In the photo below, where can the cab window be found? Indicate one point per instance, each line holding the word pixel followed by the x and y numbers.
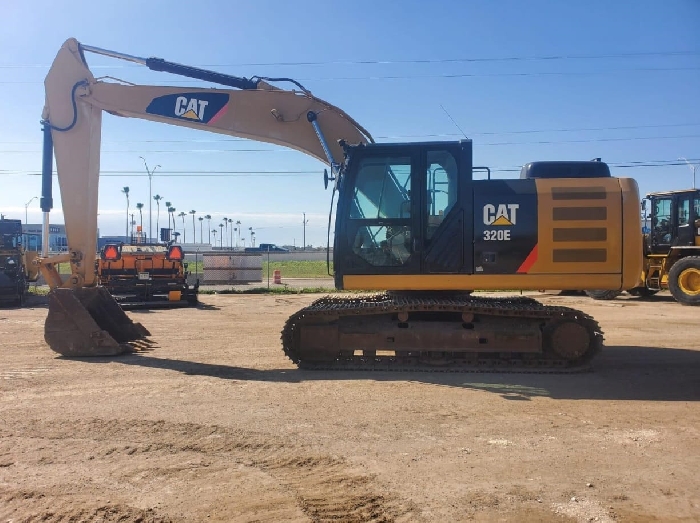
pixel 441 188
pixel 381 203
pixel 661 221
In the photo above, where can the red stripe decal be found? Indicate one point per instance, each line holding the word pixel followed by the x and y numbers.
pixel 529 261
pixel 218 115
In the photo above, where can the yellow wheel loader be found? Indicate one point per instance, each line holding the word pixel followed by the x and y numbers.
pixel 412 223
pixel 671 248
pixel 17 269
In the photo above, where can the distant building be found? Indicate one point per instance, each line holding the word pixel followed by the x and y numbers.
pixel 32 237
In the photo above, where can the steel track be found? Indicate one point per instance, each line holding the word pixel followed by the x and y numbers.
pixel 517 308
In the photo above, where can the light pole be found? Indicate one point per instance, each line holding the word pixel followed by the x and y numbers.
pixel 26 206
pixel 194 227
pixel 150 196
pixel 305 221
pixel 693 167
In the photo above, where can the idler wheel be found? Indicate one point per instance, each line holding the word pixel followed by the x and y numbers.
pixel 567 339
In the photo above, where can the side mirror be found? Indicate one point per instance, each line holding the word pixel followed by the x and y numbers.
pixel 326 178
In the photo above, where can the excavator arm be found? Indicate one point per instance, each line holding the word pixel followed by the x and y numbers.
pixel 72 118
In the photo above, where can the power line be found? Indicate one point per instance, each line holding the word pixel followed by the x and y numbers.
pixel 404 61
pixel 400 136
pixel 281 149
pixel 394 136
pixel 444 75
pixel 255 174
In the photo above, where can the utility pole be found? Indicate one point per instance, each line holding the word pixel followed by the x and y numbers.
pixel 305 221
pixel 693 167
pixel 150 197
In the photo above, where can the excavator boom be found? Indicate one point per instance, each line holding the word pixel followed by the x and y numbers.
pixel 72 117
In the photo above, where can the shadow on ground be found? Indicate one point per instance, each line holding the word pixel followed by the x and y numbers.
pixel 620 373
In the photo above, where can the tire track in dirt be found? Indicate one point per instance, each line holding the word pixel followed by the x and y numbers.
pixel 23 373
pixel 47 508
pixel 324 488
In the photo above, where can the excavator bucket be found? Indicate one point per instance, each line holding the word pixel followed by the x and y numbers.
pixel 89 322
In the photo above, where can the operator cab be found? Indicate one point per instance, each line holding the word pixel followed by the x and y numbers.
pixel 674 220
pixel 419 209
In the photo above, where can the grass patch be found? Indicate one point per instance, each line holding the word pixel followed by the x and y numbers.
pixel 298 269
pixel 38 290
pixel 289 269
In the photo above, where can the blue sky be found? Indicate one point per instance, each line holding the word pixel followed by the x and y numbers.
pixel 621 82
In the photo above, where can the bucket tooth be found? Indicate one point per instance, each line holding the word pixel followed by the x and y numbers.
pixel 89 322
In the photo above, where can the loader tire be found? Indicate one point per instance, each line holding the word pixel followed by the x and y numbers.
pixel 684 280
pixel 642 292
pixel 603 295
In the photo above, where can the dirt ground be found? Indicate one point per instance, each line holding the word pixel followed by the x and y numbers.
pixel 214 424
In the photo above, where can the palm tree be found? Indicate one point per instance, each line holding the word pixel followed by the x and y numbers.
pixel 221 238
pixel 208 217
pixel 226 225
pixel 157 198
pixel 201 234
pixel 184 229
pixel 238 226
pixel 214 231
pixel 231 222
pixel 168 205
pixel 171 212
pixel 125 190
pixel 139 206
pixel 194 230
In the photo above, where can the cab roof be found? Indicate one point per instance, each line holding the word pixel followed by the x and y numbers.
pixel 673 193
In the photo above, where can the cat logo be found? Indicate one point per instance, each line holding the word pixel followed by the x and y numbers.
pixel 505 214
pixel 197 107
pixel 192 108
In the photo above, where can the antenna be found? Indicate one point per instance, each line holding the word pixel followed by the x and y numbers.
pixel 453 121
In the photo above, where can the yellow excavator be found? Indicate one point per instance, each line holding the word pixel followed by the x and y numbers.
pixel 412 221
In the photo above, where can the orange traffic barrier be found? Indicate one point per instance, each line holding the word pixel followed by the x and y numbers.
pixel 277 276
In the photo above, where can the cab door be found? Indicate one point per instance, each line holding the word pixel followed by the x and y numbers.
pixel 685 219
pixel 445 239
pixel 379 214
pixel 662 226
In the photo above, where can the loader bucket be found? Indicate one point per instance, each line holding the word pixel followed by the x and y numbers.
pixel 89 322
